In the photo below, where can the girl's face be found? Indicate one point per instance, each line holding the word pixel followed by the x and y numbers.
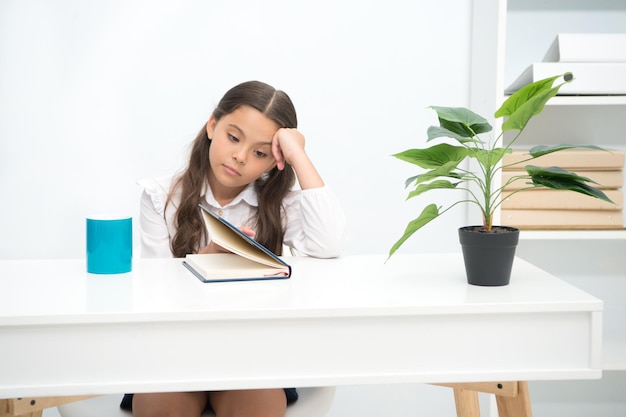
pixel 241 150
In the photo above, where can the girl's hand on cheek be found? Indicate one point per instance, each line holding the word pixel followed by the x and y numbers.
pixel 287 144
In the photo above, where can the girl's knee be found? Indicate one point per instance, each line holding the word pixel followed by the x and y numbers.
pixel 175 404
pixel 249 403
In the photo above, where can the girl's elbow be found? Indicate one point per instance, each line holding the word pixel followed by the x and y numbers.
pixel 330 249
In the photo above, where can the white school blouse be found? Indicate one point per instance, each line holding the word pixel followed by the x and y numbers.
pixel 313 219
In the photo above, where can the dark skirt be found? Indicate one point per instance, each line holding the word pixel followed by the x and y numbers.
pixel 127 401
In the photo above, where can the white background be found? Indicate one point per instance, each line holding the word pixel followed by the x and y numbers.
pixel 96 95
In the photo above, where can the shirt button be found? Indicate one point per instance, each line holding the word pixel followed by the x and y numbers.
pixel 220 213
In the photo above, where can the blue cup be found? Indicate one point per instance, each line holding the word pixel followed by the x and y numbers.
pixel 109 245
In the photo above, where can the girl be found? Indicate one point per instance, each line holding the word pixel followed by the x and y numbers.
pixel 243 165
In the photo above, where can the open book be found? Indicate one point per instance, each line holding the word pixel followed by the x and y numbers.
pixel 249 259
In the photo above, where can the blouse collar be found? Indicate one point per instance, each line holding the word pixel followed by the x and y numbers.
pixel 248 195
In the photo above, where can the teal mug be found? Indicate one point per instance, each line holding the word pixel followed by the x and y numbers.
pixel 109 245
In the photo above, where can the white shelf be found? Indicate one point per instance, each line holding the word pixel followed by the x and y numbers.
pixel 587 100
pixel 589 259
pixel 618 234
pixel 616 100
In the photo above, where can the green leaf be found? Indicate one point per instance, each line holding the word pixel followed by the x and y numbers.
pixel 528 102
pixel 435 185
pixel 488 158
pixel 411 180
pixel 429 213
pixel 521 96
pixel 555 172
pixel 559 179
pixel 435 132
pixel 464 117
pixel 540 150
pixel 446 170
pixel 433 157
pixel 458 123
pixel 531 108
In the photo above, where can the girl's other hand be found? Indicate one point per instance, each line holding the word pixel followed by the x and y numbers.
pixel 287 145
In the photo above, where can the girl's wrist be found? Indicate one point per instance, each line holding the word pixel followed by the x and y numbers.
pixel 307 174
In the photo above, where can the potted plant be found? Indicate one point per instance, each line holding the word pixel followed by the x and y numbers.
pixel 444 167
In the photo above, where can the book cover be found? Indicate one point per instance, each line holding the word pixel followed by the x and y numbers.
pixel 587 47
pixel 570 159
pixel 590 78
pixel 610 179
pixel 563 219
pixel 248 260
pixel 548 199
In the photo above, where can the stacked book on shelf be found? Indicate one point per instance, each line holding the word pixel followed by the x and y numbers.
pixel 543 208
pixel 597 61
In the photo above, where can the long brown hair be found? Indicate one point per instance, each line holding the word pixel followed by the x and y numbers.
pixel 271 188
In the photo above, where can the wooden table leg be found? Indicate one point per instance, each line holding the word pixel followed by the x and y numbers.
pixel 517 406
pixel 34 406
pixel 7 410
pixel 512 398
pixel 466 402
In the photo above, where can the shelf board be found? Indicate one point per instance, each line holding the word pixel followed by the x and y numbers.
pixel 587 100
pixel 618 234
pixel 616 100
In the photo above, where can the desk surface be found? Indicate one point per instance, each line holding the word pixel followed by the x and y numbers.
pixel 351 320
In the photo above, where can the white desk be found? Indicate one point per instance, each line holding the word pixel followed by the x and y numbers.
pixel 353 320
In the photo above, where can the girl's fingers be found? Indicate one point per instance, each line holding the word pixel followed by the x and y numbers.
pixel 247 230
pixel 277 153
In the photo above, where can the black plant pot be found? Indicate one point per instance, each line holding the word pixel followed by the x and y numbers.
pixel 488 256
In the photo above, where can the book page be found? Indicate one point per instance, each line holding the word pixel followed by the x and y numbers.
pixel 219 266
pixel 232 239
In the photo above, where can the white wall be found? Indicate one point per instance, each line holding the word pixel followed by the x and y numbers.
pixel 95 95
